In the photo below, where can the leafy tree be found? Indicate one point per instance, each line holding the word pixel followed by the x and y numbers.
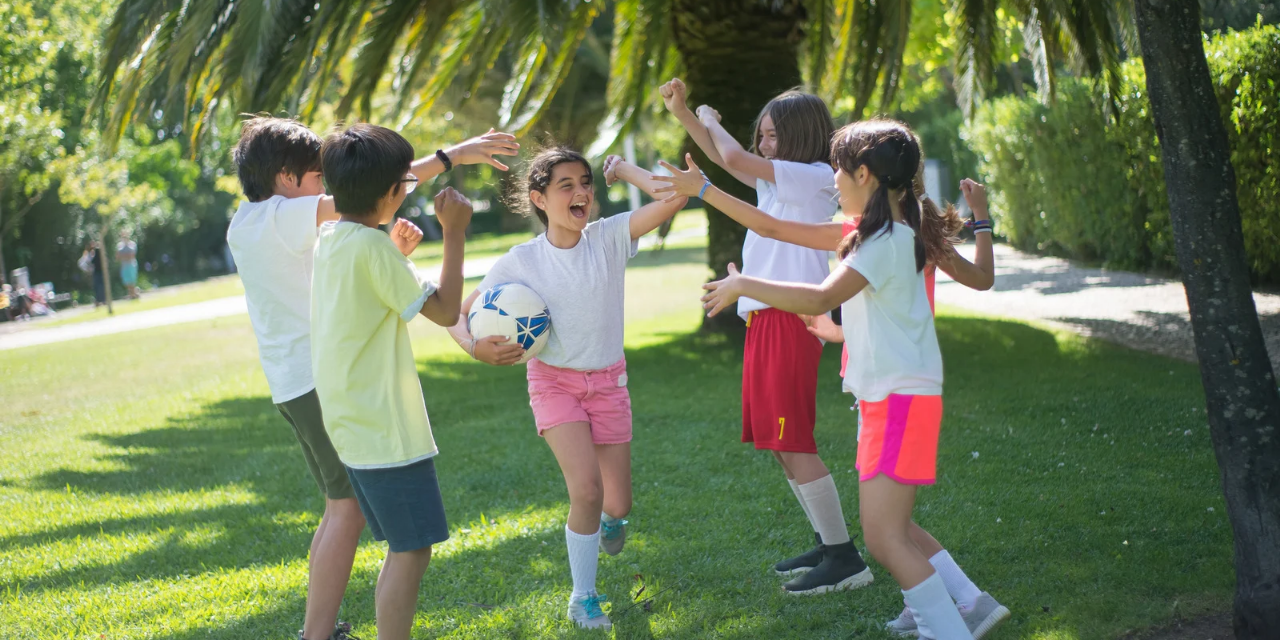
pixel 30 134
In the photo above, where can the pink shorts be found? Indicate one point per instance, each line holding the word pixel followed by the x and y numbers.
pixel 599 398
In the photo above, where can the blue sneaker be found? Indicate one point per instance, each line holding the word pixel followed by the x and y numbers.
pixel 613 536
pixel 586 612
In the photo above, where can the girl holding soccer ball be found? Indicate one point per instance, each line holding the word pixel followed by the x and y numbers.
pixel 578 382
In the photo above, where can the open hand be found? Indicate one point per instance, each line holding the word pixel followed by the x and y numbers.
pixel 491 350
pixel 406 236
pixel 824 328
pixel 482 149
pixel 611 170
pixel 453 209
pixel 673 93
pixel 722 293
pixel 708 115
pixel 975 195
pixel 682 183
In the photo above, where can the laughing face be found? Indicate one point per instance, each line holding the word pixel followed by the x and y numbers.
pixel 568 196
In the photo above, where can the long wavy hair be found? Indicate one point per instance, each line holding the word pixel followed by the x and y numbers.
pixel 889 150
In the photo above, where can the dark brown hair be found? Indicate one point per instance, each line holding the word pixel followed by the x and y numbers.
pixel 939 228
pixel 269 145
pixel 361 164
pixel 803 125
pixel 538 176
pixel 888 149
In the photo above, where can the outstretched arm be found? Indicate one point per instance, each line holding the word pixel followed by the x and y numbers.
pixel 673 96
pixel 980 274
pixel 477 150
pixel 807 299
pixel 650 216
pixel 824 236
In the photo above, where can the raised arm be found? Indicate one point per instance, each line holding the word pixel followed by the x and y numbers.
pixel 824 236
pixel 453 211
pixel 673 96
pixel 478 150
pixel 807 299
pixel 650 216
pixel 980 274
pixel 736 159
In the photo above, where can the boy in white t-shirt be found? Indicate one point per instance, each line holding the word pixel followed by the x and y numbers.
pixel 272 237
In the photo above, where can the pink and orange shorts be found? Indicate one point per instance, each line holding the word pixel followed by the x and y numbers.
pixel 598 397
pixel 898 436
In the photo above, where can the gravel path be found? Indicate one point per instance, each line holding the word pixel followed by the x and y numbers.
pixel 1142 312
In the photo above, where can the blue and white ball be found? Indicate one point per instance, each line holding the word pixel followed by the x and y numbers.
pixel 512 310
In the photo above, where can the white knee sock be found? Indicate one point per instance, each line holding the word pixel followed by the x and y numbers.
pixel 795 488
pixel 584 558
pixel 823 501
pixel 936 615
pixel 959 586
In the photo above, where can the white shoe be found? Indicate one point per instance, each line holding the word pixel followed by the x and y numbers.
pixel 985 614
pixel 585 612
pixel 903 625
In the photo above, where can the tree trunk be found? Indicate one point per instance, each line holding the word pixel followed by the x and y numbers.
pixel 105 265
pixel 738 54
pixel 1239 384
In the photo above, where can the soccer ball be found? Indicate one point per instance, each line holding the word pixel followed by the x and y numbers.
pixel 511 310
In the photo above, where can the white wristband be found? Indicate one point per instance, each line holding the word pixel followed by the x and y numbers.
pixel 984 230
pixel 472 349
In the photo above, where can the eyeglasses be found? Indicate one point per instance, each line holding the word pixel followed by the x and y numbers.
pixel 412 181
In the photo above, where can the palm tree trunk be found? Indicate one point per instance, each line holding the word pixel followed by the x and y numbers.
pixel 738 55
pixel 1239 384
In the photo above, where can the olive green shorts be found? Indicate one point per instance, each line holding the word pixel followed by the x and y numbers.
pixel 303 414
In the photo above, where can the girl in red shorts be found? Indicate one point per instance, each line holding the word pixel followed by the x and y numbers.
pixel 895 366
pixel 577 385
pixel 787 166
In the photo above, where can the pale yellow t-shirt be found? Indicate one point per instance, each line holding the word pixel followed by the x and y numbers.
pixel 363 293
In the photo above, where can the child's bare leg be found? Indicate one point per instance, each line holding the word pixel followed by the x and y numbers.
pixel 886 507
pixel 333 550
pixel 615 474
pixel 927 544
pixel 396 596
pixel 802 467
pixel 572 446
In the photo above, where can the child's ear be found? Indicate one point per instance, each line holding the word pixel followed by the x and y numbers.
pixel 539 199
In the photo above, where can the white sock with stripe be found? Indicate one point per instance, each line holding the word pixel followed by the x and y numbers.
pixel 824 510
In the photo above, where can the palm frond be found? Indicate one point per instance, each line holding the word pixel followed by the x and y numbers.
pixel 641 41
pixel 571 37
pixel 818 39
pixel 463 37
pixel 845 16
pixel 975 50
pixel 898 29
pixel 383 35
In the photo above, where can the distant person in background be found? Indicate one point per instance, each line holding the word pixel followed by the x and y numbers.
pixel 92 265
pixel 127 258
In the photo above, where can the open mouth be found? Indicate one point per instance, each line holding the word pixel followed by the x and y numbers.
pixel 579 209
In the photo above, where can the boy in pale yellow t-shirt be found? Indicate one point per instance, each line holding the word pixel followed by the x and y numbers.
pixel 364 292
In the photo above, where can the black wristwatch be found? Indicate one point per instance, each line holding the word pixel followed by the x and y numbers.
pixel 444 158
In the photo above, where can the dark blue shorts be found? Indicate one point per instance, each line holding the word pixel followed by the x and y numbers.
pixel 402 505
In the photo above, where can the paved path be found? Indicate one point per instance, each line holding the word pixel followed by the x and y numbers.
pixel 1142 312
pixel 229 306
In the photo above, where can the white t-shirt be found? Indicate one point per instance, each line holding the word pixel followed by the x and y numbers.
pixel 583 289
pixel 888 326
pixel 272 243
pixel 800 193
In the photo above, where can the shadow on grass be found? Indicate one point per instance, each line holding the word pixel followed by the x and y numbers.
pixel 711 514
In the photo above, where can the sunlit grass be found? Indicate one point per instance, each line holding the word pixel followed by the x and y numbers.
pixel 150 489
pixel 211 289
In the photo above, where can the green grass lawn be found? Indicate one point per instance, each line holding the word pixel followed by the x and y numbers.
pixel 154 492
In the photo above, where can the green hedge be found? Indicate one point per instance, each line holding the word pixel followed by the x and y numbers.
pixel 1066 181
